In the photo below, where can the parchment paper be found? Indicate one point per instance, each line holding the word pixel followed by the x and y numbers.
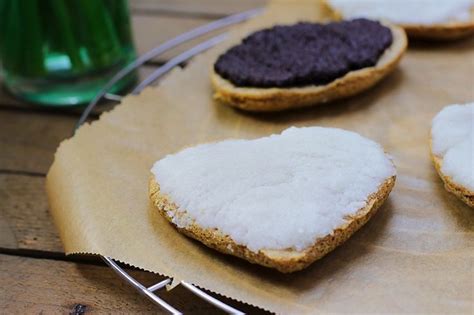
pixel 415 255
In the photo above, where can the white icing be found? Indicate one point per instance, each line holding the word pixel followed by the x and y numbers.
pixel 406 11
pixel 452 135
pixel 276 192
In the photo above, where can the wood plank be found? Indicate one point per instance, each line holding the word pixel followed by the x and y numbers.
pixel 34 286
pixel 29 139
pixel 206 8
pixel 24 217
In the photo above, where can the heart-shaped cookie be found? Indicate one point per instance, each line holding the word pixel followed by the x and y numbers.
pixel 281 201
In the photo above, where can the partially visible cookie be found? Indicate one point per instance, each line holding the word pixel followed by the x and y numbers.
pixel 428 19
pixel 452 149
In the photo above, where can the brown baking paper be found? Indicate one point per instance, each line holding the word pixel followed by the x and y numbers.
pixel 415 255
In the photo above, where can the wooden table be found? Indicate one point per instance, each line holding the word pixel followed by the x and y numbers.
pixel 35 275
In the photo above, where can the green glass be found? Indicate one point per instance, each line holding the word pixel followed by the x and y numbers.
pixel 62 52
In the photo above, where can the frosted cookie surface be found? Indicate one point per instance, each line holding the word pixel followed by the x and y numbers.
pixel 424 12
pixel 452 141
pixel 324 53
pixel 278 192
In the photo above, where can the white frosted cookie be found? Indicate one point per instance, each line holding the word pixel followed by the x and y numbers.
pixel 281 201
pixel 435 19
pixel 452 149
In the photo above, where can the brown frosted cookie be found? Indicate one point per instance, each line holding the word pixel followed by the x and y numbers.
pixel 337 73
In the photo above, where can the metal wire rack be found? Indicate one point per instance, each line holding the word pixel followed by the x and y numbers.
pixel 160 71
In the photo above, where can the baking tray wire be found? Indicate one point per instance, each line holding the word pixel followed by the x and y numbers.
pixel 159 72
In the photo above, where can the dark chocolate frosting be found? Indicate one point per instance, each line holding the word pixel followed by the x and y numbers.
pixel 304 54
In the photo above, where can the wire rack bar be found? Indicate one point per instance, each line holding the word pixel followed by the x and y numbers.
pixel 159 72
pixel 140 288
pixel 159 285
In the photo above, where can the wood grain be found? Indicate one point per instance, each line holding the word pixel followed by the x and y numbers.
pixel 29 139
pixel 24 216
pixel 35 286
pixel 203 8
